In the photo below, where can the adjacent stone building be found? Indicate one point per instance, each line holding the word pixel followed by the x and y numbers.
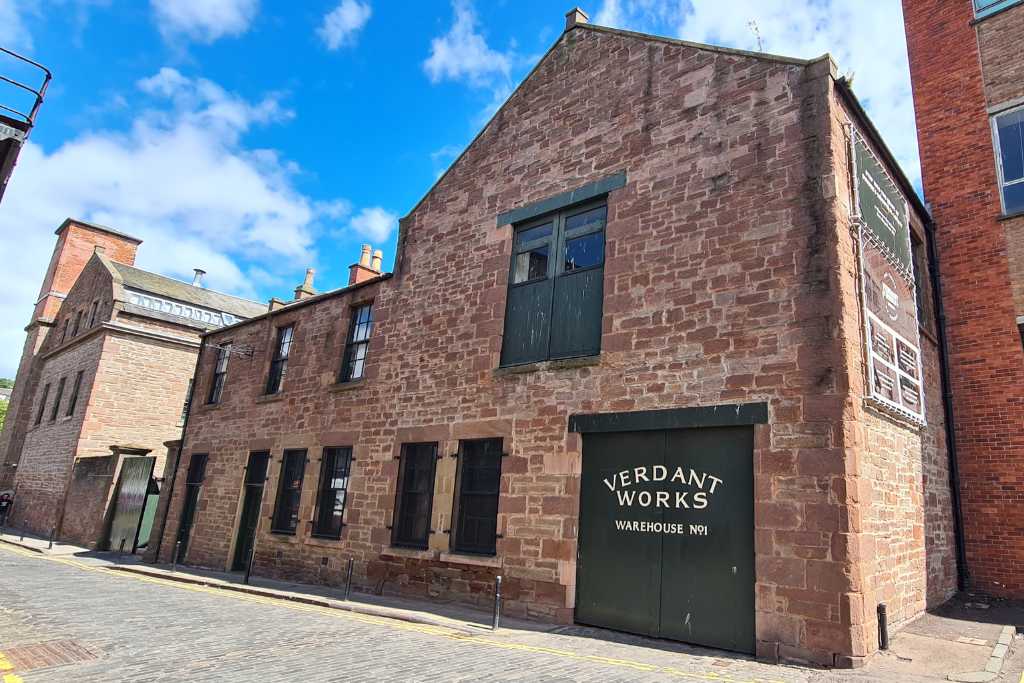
pixel 659 349
pixel 967 68
pixel 104 376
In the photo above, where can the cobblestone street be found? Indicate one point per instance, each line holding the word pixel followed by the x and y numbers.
pixel 102 625
pixel 141 628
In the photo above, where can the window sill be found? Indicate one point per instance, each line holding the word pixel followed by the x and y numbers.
pixel 415 553
pixel 347 386
pixel 884 410
pixel 473 560
pixel 269 398
pixel 556 364
pixel 282 532
pixel 323 541
pixel 1011 216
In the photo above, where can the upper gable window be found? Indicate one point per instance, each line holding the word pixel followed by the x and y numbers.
pixel 555 293
pixel 78 324
pixel 1009 134
pixel 279 363
pixel 92 313
pixel 983 8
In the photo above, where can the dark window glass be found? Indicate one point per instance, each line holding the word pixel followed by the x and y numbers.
pixel 1010 132
pixel 289 491
pixel 256 470
pixel 358 343
pixel 64 330
pixel 78 324
pixel 476 507
pixel 57 398
pixel 75 388
pixel 220 371
pixel 42 404
pixel 196 469
pixel 279 363
pixel 330 497
pixel 92 313
pixel 555 297
pixel 415 495
pixel 533 253
pixel 186 407
pixel 584 252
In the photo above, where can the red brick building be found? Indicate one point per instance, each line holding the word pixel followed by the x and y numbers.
pixel 967 67
pixel 103 377
pixel 621 361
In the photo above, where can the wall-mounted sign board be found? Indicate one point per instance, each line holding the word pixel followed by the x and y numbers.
pixel 889 293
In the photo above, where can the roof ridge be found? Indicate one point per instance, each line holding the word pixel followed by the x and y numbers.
pixel 766 56
pixel 186 284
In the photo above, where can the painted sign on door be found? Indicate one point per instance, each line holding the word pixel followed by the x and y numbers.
pixel 666 541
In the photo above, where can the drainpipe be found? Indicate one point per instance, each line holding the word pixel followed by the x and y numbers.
pixel 181 449
pixel 962 572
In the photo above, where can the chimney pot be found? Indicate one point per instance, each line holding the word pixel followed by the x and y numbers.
pixel 305 290
pixel 367 268
pixel 364 256
pixel 576 16
pixel 197 281
pixel 378 257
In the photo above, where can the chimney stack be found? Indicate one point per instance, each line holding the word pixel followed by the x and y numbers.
pixel 574 17
pixel 368 266
pixel 197 281
pixel 305 290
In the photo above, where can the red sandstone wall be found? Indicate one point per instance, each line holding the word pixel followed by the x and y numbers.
pixel 729 277
pixel 948 55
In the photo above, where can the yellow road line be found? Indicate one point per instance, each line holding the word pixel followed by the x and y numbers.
pixel 11 678
pixel 1022 677
pixel 439 631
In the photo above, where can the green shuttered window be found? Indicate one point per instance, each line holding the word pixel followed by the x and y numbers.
pixel 556 280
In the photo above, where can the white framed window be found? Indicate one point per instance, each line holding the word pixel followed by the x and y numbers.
pixel 1008 135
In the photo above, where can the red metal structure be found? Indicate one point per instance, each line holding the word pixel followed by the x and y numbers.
pixel 16 124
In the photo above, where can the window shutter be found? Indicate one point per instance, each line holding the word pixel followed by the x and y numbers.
pixel 578 299
pixel 527 323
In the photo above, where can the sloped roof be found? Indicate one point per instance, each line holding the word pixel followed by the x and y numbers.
pixel 184 292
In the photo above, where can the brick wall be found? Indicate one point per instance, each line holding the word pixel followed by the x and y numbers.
pixel 132 393
pixel 948 57
pixel 730 276
pixel 76 244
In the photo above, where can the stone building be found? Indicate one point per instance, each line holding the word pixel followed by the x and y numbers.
pixel 967 69
pixel 622 361
pixel 103 380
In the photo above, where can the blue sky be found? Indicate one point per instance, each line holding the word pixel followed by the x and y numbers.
pixel 256 138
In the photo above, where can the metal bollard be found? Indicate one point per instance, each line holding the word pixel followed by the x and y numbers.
pixel 883 627
pixel 177 554
pixel 497 603
pixel 348 578
pixel 248 567
pixel 53 530
pixel 120 548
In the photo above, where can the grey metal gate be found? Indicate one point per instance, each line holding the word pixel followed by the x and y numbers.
pixel 130 503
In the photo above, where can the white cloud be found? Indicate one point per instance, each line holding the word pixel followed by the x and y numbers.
pixel 14 34
pixel 462 54
pixel 203 21
pixel 866 38
pixel 342 24
pixel 181 179
pixel 374 224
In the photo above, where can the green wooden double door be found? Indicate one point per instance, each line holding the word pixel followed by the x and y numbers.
pixel 666 535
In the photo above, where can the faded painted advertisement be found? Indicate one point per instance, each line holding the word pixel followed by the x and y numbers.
pixel 889 293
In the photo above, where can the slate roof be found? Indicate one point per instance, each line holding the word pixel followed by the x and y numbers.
pixel 186 293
